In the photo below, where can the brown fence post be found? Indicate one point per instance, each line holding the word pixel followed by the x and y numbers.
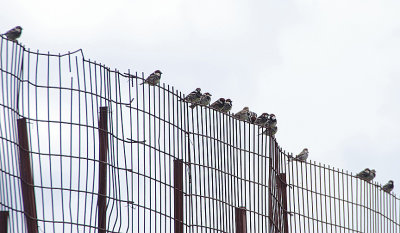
pixel 103 143
pixel 241 221
pixel 28 193
pixel 178 195
pixel 3 221
pixel 282 186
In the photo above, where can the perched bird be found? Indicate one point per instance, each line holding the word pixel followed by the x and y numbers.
pixel 217 105
pixel 193 96
pixel 204 100
pixel 252 117
pixel 262 119
pixel 271 131
pixel 364 174
pixel 271 122
pixel 388 187
pixel 242 114
pixel 153 79
pixel 13 34
pixel 371 175
pixel 302 157
pixel 227 106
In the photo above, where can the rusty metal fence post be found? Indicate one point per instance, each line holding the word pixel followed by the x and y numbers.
pixel 28 193
pixel 178 195
pixel 103 143
pixel 283 194
pixel 241 220
pixel 3 221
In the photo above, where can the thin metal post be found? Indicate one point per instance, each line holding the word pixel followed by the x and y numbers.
pixel 282 186
pixel 103 141
pixel 178 195
pixel 241 221
pixel 3 221
pixel 28 193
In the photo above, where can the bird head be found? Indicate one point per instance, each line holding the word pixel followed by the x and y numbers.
pixel 246 108
pixel 272 116
pixel 19 28
pixel 158 72
pixel 229 101
pixel 305 150
pixel 198 89
pixel 373 171
pixel 264 114
pixel 390 182
pixel 207 94
pixel 222 100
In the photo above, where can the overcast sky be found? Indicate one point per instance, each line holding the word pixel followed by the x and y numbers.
pixel 329 70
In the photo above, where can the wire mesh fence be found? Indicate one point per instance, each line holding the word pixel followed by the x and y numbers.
pixel 85 148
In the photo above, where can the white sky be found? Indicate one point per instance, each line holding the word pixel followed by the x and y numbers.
pixel 328 69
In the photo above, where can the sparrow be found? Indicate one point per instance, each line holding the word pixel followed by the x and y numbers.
pixel 242 114
pixel 262 119
pixel 270 131
pixel 204 100
pixel 227 106
pixel 371 175
pixel 217 105
pixel 252 116
pixel 13 34
pixel 388 187
pixel 193 96
pixel 271 122
pixel 302 157
pixel 153 79
pixel 364 174
pixel 273 130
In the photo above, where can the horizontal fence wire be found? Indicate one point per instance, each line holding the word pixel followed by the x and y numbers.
pixel 169 168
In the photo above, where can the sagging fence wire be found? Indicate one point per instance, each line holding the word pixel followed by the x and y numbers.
pixel 107 154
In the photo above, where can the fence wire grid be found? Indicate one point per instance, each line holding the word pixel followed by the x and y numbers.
pixel 85 148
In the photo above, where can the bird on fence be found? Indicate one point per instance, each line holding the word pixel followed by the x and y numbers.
pixel 153 79
pixel 371 175
pixel 193 97
pixel 388 187
pixel 270 131
pixel 204 100
pixel 242 114
pixel 227 106
pixel 271 122
pixel 302 157
pixel 262 119
pixel 364 174
pixel 14 33
pixel 217 105
pixel 367 174
pixel 251 117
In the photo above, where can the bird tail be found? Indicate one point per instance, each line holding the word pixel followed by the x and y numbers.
pixel 192 106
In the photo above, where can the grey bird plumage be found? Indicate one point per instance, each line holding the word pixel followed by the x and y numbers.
pixel 301 157
pixel 227 106
pixel 367 174
pixel 14 33
pixel 242 114
pixel 217 105
pixel 194 96
pixel 270 131
pixel 388 187
pixel 262 119
pixel 153 79
pixel 204 100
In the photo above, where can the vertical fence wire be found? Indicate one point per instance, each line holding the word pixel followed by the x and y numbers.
pixel 234 179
